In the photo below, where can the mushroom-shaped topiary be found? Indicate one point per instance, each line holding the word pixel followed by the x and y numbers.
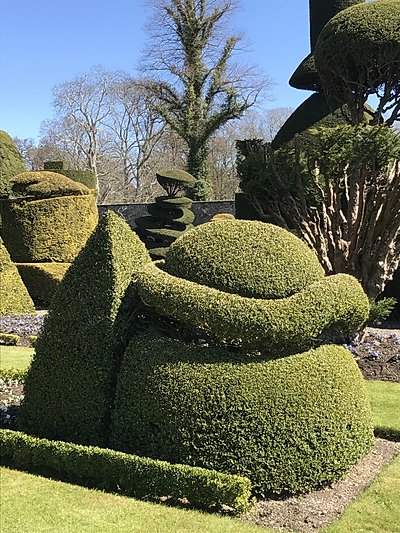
pixel 170 216
pixel 248 403
pixel 370 35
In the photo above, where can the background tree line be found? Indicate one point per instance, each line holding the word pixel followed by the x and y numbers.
pixel 106 122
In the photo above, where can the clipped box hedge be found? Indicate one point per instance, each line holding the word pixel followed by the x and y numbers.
pixel 289 424
pixel 336 305
pixel 52 229
pixel 9 339
pixel 42 279
pixel 132 475
pixel 70 386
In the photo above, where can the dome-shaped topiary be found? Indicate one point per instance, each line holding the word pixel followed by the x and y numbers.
pixel 289 424
pixel 369 33
pixel 247 258
pixel 44 184
pixel 11 163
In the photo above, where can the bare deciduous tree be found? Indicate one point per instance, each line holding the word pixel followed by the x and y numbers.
pixel 198 85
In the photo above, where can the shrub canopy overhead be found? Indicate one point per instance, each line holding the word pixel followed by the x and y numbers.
pixel 358 52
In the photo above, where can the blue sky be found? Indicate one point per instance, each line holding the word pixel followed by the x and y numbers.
pixel 43 43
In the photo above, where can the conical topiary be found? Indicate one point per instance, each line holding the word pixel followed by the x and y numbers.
pixel 68 391
pixel 11 163
pixel 170 216
pixel 14 297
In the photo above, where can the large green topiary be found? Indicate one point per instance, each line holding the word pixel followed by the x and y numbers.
pixel 42 279
pixel 14 298
pixel 289 424
pixel 69 388
pixel 246 258
pixel 370 35
pixel 48 217
pixel 11 163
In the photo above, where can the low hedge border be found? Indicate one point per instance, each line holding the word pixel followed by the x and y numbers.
pixel 14 374
pixel 384 432
pixel 135 476
pixel 9 339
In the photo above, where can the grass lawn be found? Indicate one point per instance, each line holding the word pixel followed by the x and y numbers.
pixel 15 356
pixel 377 510
pixel 34 504
pixel 31 504
pixel 385 401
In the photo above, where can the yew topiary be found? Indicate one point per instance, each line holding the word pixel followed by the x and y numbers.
pixel 11 163
pixel 170 216
pixel 14 297
pixel 247 258
pixel 42 279
pixel 70 385
pixel 289 425
pixel 48 217
pixel 369 33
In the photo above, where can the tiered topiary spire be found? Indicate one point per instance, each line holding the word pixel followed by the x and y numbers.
pixel 306 77
pixel 170 216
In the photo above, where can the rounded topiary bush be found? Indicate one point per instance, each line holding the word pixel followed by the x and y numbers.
pixel 247 258
pixel 369 33
pixel 48 217
pixel 289 424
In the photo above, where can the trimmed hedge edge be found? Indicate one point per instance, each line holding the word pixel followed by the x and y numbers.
pixel 384 432
pixel 13 374
pixel 134 475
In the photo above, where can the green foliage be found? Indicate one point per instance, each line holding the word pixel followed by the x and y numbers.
pixel 14 298
pixel 333 307
pixel 289 424
pixel 306 76
pixel 169 217
pixel 51 229
pixel 69 389
pixel 247 258
pixel 380 310
pixel 322 11
pixel 369 33
pixel 42 279
pixel 11 163
pixel 313 112
pixel 43 184
pixel 86 177
pixel 174 180
pixel 135 476
pixel 9 339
